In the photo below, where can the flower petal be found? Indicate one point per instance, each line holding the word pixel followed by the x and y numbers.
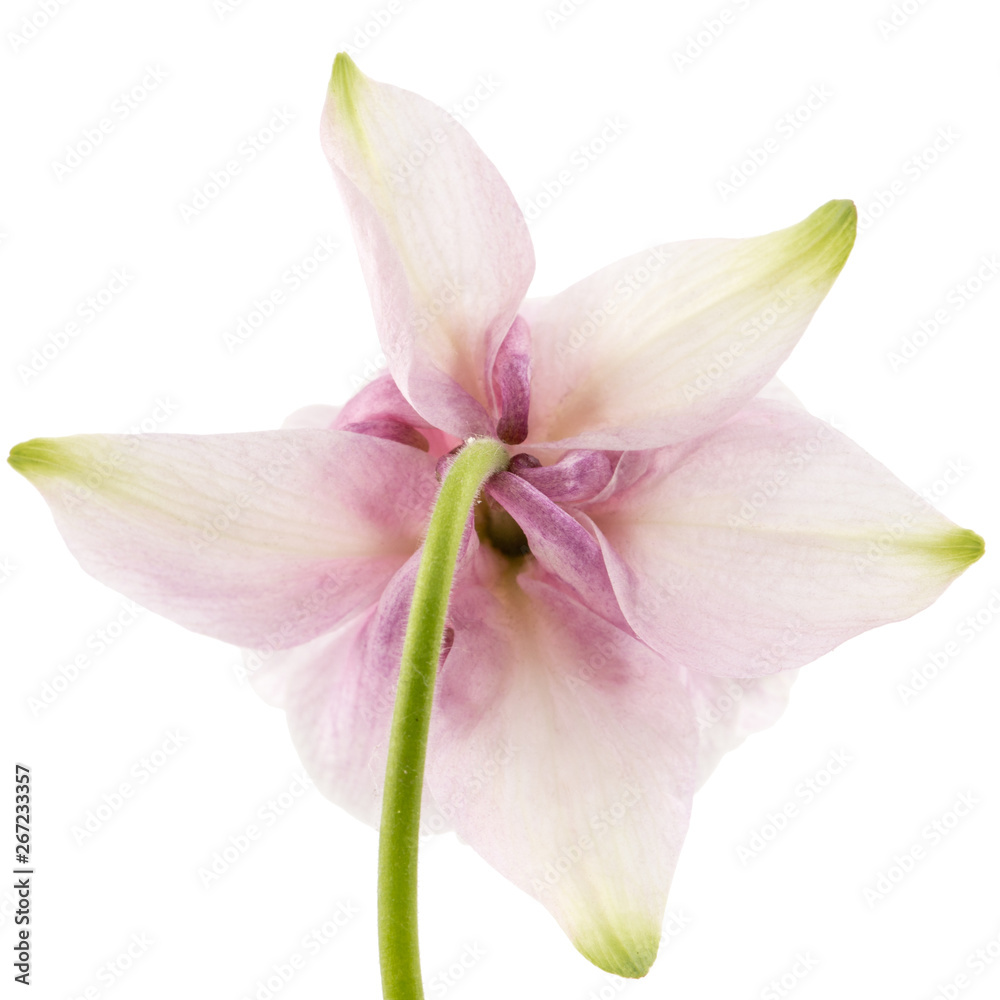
pixel 264 539
pixel 770 541
pixel 381 401
pixel 443 245
pixel 559 542
pixel 665 345
pixel 511 383
pixel 576 477
pixel 338 713
pixel 563 751
pixel 729 709
pixel 338 692
pixel 317 416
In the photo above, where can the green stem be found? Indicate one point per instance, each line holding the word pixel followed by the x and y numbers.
pixel 404 774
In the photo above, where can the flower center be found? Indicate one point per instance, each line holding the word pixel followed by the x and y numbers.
pixel 497 528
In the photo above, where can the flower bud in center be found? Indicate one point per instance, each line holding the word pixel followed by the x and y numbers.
pixel 497 528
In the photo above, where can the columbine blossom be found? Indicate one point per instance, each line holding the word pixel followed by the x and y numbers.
pixel 672 529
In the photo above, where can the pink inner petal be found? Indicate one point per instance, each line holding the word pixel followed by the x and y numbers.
pixel 512 382
pixel 576 477
pixel 559 543
pixel 381 401
pixel 390 430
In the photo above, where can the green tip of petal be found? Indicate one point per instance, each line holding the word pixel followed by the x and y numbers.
pixel 42 457
pixel 818 247
pixel 959 548
pixel 836 222
pixel 346 81
pixel 345 75
pixel 625 948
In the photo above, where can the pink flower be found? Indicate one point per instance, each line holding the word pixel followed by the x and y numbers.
pixel 671 519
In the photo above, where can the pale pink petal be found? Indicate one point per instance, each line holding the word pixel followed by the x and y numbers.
pixel 729 709
pixel 338 693
pixel 319 416
pixel 443 245
pixel 264 539
pixel 768 542
pixel 563 751
pixel 338 713
pixel 379 398
pixel 381 402
pixel 665 345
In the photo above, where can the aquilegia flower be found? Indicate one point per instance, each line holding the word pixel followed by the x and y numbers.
pixel 670 520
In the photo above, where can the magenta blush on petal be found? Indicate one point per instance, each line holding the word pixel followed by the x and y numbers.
pixel 512 382
pixel 390 430
pixel 381 410
pixel 561 545
pixel 577 477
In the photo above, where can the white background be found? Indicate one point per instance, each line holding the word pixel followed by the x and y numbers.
pixel 545 89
